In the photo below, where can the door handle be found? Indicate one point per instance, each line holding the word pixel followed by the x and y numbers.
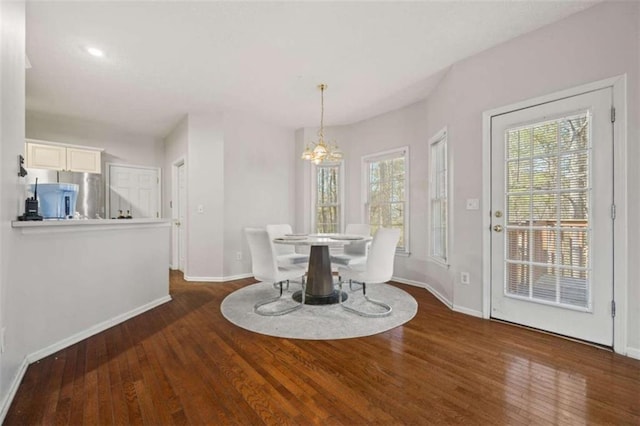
pixel 177 223
pixel 497 228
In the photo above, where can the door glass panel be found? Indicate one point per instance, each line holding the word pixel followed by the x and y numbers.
pixel 518 175
pixel 519 143
pixel 545 208
pixel 574 208
pixel 574 249
pixel 573 133
pixel 547 231
pixel 574 168
pixel 518 209
pixel 518 244
pixel 544 283
pixel 518 279
pixel 544 173
pixel 545 138
pixel 573 287
pixel 544 246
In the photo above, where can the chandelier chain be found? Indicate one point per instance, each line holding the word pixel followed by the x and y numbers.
pixel 321 131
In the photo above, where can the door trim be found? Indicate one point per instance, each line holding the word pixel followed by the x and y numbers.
pixel 620 284
pixel 175 262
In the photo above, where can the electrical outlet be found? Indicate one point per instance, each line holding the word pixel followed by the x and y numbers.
pixel 464 278
pixel 239 256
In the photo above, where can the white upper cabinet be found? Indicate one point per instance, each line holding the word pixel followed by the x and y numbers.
pixel 46 156
pixel 83 160
pixel 53 156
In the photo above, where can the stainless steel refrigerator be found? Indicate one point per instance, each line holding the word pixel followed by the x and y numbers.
pixel 90 203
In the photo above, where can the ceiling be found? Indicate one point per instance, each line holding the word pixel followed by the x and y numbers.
pixel 166 59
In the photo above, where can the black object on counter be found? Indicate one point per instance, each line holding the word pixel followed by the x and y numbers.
pixel 67 207
pixel 31 207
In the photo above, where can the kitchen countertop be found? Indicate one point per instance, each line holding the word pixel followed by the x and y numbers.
pixel 66 225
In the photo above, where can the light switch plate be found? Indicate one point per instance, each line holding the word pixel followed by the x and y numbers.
pixel 473 204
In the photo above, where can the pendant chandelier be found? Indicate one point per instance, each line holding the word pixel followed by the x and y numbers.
pixel 318 152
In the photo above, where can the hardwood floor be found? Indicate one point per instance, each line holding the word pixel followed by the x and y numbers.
pixel 183 363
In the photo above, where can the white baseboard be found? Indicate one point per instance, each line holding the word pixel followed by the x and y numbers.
pixel 38 355
pixel 15 384
pixel 409 282
pixel 633 352
pixel 218 279
pixel 439 296
pixel 428 287
pixel 467 311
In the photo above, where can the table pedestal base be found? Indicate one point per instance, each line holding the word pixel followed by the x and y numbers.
pixel 320 287
pixel 331 299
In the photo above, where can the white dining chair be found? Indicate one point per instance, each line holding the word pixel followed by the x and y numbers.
pixel 286 255
pixel 265 268
pixel 355 252
pixel 377 269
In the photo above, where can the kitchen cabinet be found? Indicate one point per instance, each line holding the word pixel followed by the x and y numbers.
pixel 55 156
pixel 83 160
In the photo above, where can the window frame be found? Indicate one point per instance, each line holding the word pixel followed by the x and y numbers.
pixel 314 193
pixel 380 156
pixel 440 137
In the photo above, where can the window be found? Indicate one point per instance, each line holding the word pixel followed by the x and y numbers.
pixel 328 198
pixel 386 198
pixel 438 197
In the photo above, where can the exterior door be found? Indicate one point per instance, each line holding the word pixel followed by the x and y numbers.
pixel 552 226
pixel 135 190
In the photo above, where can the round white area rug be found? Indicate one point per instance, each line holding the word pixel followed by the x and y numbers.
pixel 323 322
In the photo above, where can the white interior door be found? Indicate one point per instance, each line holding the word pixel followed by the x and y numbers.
pixel 552 226
pixel 182 217
pixel 135 190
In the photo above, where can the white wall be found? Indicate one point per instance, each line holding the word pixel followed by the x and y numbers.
pixel 77 278
pixel 205 180
pixel 240 170
pixel 258 183
pixel 404 127
pixel 120 147
pixel 12 106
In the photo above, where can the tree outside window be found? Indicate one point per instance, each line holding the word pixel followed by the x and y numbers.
pixel 386 198
pixel 328 206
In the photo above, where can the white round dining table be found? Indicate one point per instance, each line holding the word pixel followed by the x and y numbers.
pixel 320 288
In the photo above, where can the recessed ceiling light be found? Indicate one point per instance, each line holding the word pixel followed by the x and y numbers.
pixel 95 52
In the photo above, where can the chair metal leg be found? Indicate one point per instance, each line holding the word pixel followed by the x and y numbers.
pixel 351 283
pixel 279 284
pixel 258 305
pixel 387 308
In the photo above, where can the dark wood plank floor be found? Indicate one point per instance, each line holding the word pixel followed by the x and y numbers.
pixel 183 363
